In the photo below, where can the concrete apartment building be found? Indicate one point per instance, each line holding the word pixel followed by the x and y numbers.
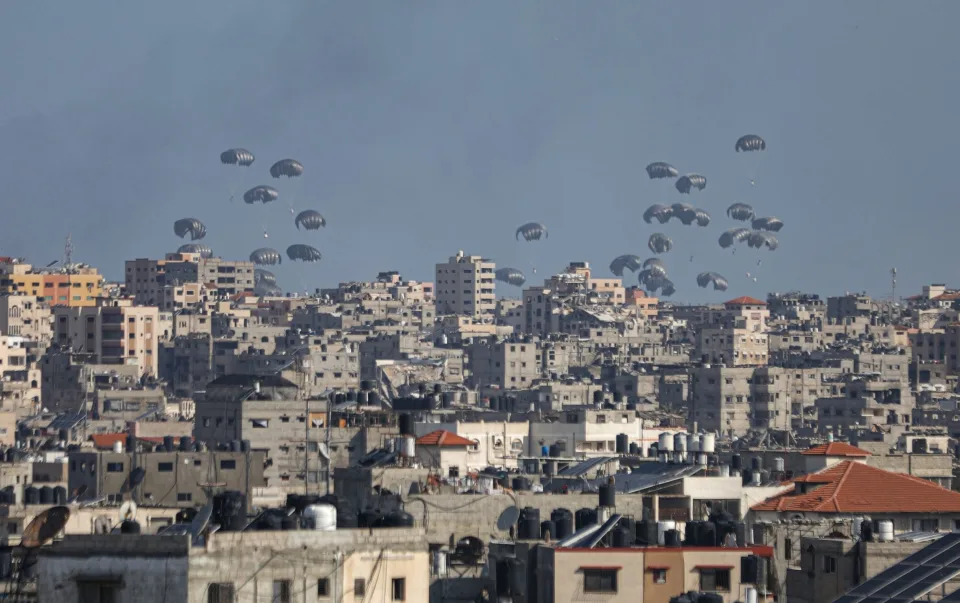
pixel 465 285
pixel 387 564
pixel 504 364
pixel 543 305
pixel 19 376
pixel 172 479
pixel 850 306
pixel 27 316
pixel 181 278
pixel 732 347
pixel 75 286
pixel 115 331
pixel 271 414
pixel 865 404
pixel 69 381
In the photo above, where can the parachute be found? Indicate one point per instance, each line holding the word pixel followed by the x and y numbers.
pixel 688 214
pixel 705 279
pixel 511 276
pixel 241 157
pixel 261 194
pixel 310 219
pixel 759 238
pixel 532 231
pixel 267 290
pixel 653 282
pixel 772 224
pixel 625 262
pixel 202 250
pixel 689 182
pixel 655 267
pixel 750 142
pixel 659 243
pixel 734 235
pixel 659 169
pixel 662 213
pixel 266 256
pixel 741 212
pixel 290 168
pixel 191 226
pixel 264 276
pixel 304 253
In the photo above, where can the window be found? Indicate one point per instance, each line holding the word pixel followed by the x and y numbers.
pixel 115 467
pixel 926 525
pixel 164 467
pixel 399 589
pixel 99 591
pixel 281 591
pixel 829 564
pixel 660 576
pixel 787 548
pixel 600 580
pixel 260 423
pixel 323 587
pixel 12 528
pixel 359 587
pixel 714 579
pixel 220 593
pixel 228 464
pixel 184 497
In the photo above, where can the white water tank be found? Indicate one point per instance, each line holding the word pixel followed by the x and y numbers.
pixel 407 447
pixel 708 443
pixel 778 464
pixel 885 531
pixel 665 442
pixel 695 443
pixel 440 563
pixel 662 527
pixel 680 442
pixel 118 446
pixel 321 517
pixel 750 596
pixel 724 470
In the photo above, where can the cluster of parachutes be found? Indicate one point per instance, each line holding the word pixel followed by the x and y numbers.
pixel 652 273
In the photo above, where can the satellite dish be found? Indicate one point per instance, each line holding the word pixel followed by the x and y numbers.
pixel 79 492
pixel 128 510
pixel 508 519
pixel 136 477
pixel 101 524
pixel 44 527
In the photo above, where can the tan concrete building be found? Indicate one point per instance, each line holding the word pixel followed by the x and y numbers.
pixel 465 285
pixel 115 331
pixel 26 316
pixel 504 364
pixel 388 564
pixel 732 347
pixel 183 278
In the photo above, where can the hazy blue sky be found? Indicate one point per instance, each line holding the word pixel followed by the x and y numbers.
pixel 427 127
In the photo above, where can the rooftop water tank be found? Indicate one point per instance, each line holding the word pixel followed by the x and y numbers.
pixel 708 443
pixel 665 442
pixel 885 531
pixel 118 446
pixel 320 517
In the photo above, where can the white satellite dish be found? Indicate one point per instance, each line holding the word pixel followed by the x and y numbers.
pixel 128 510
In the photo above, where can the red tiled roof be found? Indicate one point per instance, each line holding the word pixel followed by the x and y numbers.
pixel 836 449
pixel 442 437
pixel 746 300
pixel 859 488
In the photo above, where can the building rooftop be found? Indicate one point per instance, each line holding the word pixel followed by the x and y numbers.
pixel 745 301
pixel 836 449
pixel 105 441
pixel 852 487
pixel 442 437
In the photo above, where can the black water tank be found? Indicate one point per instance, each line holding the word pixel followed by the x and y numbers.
pixel 617 397
pixel 129 526
pixel 521 484
pixel 10 493
pixel 234 445
pixel 6 497
pixel 186 443
pixel 437 388
pixel 563 519
pixel 646 532
pixel 31 495
pixel 230 510
pixel 634 448
pixel 608 495
pixel 919 446
pixel 367 519
pixel 398 519
pixel 46 495
pixel 503 578
pixel 271 520
pixel 707 534
pixel 168 443
pixel 528 524
pixel 131 443
pixel 584 518
pixel 755 463
pixel 750 569
pixel 406 424
pixel 363 398
pixel 598 397
pixel 290 522
pixel 244 445
pixel 622 536
pixel 6 562
pixel 351 396
pixel 10 455
pixel 866 531
pixel 373 398
pixel 623 443
pixel 691 533
pixel 548 530
pixel 736 463
pixel 709 598
pixel 740 529
pixel 671 538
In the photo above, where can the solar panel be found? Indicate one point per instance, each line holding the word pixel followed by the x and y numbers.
pixel 916 575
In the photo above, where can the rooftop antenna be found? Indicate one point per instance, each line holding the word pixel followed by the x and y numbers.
pixel 893 285
pixel 68 251
pixel 38 532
